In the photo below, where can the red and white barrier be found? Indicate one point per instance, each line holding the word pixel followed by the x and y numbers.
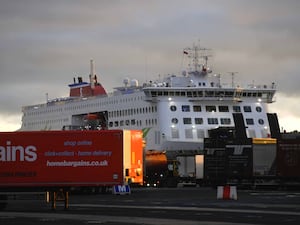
pixel 227 192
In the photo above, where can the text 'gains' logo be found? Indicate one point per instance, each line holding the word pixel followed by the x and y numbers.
pixel 11 153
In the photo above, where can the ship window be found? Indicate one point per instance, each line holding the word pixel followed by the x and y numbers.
pixel 174 133
pixel 174 120
pixel 236 108
pixel 258 109
pixel 225 121
pixel 122 123
pixel 157 137
pixel 185 108
pixel 173 108
pixel 200 133
pixel 261 121
pixel 220 94
pixel 211 108
pixel 189 133
pixel 247 109
pixel 198 120
pixel 189 94
pixel 132 122
pixel 187 121
pixel 249 121
pixel 197 108
pixel 212 120
pixel 147 93
pixel 116 123
pixel 229 93
pixel 223 108
pixel 264 133
pixel 251 133
pixel 209 94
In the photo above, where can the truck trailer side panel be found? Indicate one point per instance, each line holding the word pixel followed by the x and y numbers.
pixel 62 158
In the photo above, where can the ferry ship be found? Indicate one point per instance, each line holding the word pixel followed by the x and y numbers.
pixel 175 113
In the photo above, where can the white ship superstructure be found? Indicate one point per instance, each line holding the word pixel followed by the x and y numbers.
pixel 175 113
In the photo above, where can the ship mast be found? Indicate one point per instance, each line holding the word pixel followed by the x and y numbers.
pixel 194 54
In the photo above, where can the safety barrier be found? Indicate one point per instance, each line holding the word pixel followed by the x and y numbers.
pixel 227 192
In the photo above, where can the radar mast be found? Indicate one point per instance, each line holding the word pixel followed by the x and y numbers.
pixel 195 54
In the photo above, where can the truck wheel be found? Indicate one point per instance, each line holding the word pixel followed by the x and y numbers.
pixel 3 202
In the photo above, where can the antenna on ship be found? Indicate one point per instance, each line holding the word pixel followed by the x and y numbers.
pixel 232 77
pixel 92 67
pixel 93 77
pixel 194 54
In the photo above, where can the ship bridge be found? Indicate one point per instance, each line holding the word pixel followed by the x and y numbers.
pixel 260 93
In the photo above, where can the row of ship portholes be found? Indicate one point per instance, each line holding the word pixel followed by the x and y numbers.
pixel 133 122
pixel 213 108
pixel 223 121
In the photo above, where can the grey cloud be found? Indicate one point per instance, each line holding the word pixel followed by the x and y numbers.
pixel 43 44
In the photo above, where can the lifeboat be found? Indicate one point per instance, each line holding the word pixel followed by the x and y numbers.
pixel 91 117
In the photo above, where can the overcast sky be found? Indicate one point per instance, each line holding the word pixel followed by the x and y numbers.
pixel 44 44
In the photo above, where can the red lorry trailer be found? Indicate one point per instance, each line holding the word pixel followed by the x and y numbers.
pixel 58 160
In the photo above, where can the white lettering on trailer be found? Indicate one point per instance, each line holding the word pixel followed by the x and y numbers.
pixel 11 153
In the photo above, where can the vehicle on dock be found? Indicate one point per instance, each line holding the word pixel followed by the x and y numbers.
pixel 57 161
pixel 252 162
